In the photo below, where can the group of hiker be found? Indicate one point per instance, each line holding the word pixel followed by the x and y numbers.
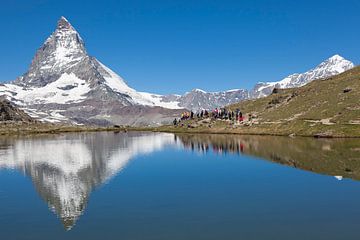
pixel 191 115
pixel 223 113
pixel 217 113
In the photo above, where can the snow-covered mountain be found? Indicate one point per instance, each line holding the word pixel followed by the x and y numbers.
pixel 64 83
pixel 330 67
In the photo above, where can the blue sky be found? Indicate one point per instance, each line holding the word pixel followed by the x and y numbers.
pixel 174 46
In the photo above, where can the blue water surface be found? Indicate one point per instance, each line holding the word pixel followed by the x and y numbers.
pixel 164 190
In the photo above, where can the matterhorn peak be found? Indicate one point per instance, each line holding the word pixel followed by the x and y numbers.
pixel 63 23
pixel 65 35
pixel 62 50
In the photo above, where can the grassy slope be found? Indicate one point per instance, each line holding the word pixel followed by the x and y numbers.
pixel 305 111
pixel 300 110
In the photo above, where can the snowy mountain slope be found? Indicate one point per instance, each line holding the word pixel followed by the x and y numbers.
pixel 68 88
pixel 330 67
pixel 116 83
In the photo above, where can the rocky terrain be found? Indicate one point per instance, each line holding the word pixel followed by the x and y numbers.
pixel 10 113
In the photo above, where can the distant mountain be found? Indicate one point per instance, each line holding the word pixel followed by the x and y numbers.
pixel 64 83
pixel 199 99
pixel 330 67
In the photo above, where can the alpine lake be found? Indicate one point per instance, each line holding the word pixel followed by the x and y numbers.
pixel 139 185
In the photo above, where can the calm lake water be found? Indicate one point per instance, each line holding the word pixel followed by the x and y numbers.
pixel 166 186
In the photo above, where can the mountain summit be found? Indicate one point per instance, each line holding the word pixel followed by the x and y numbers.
pixel 62 51
pixel 330 67
pixel 63 23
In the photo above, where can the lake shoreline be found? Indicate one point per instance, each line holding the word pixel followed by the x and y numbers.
pixel 244 133
pixel 12 128
pixel 290 129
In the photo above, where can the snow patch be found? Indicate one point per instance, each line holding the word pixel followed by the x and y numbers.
pixel 51 93
pixel 157 100
pixel 116 83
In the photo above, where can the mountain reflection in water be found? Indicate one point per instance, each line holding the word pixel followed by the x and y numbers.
pixel 65 169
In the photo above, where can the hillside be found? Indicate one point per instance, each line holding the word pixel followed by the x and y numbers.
pixel 328 107
pixel 10 113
